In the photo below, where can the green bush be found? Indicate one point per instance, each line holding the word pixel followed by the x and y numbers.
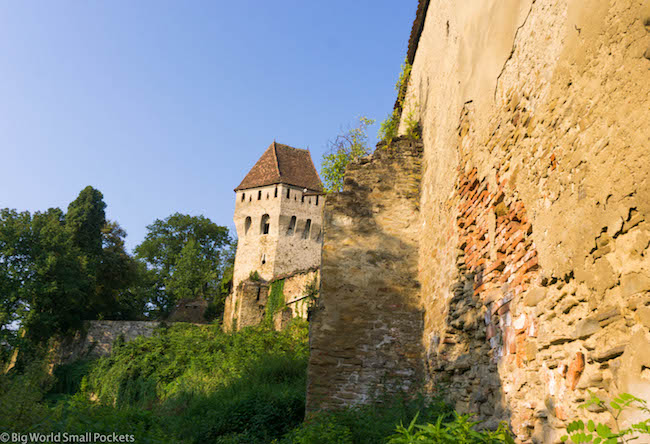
pixel 458 429
pixel 21 398
pixel 352 424
pixel 590 432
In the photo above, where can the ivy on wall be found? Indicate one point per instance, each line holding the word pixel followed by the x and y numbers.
pixel 275 302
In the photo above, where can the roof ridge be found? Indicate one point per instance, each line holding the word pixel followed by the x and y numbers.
pixel 277 162
pixel 293 147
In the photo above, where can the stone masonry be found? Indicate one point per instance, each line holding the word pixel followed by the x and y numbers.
pixel 278 214
pixel 367 325
pixel 533 234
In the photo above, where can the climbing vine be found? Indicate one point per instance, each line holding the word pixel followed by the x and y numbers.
pixel 275 302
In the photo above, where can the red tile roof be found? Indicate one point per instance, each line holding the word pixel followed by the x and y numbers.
pixel 283 164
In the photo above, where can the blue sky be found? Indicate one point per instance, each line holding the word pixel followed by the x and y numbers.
pixel 164 106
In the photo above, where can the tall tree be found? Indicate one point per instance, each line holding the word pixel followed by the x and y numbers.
pixel 85 219
pixel 57 270
pixel 188 256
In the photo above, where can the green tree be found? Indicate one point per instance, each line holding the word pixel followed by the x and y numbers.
pixel 85 219
pixel 57 270
pixel 187 257
pixel 347 147
pixel 121 287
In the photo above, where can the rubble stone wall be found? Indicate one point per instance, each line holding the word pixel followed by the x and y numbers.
pixel 532 230
pixel 97 337
pixel 534 257
pixel 366 329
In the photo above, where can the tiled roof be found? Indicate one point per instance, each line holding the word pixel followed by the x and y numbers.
pixel 283 164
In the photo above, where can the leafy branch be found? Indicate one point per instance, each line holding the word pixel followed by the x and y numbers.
pixel 580 432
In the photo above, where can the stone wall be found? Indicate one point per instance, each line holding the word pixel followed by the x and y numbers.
pixel 252 296
pixel 533 232
pixel 367 326
pixel 97 337
pixel 535 205
pixel 287 248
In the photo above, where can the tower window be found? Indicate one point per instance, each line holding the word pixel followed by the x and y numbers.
pixel 288 193
pixel 305 234
pixel 292 226
pixel 316 199
pixel 259 195
pixel 243 196
pixel 267 196
pixel 247 225
pixel 302 199
pixel 265 224
pixel 275 194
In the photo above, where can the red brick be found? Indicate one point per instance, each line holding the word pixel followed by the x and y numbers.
pixel 575 370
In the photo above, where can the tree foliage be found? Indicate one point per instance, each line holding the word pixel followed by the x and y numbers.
pixel 347 147
pixel 187 257
pixel 58 269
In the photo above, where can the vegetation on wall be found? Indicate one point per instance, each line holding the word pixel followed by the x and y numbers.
pixel 275 301
pixel 347 147
pixel 389 127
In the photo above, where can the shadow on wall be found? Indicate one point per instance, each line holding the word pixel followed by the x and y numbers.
pixel 462 361
pixel 366 331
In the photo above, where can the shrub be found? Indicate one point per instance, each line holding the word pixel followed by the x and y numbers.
pixel 346 148
pixel 458 430
pixel 389 127
pixel 590 432
pixel 352 424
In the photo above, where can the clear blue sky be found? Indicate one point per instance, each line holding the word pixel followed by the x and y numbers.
pixel 164 106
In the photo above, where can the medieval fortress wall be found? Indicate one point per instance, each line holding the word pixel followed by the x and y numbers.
pixel 533 227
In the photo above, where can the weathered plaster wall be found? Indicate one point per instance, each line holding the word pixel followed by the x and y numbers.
pixel 366 328
pixel 535 205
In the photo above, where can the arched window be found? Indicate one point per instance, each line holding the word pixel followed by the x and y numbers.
pixel 265 225
pixel 292 226
pixel 305 234
pixel 247 225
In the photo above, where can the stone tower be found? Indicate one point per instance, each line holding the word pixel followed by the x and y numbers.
pixel 278 217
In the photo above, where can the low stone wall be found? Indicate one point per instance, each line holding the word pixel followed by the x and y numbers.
pixel 97 339
pixel 366 329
